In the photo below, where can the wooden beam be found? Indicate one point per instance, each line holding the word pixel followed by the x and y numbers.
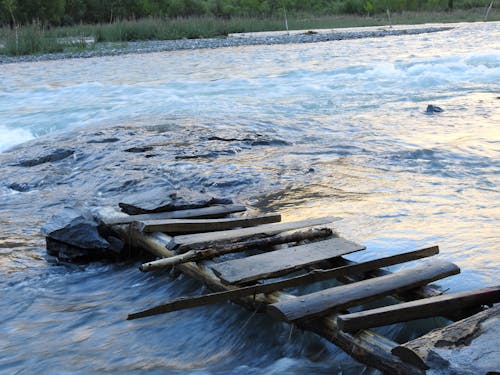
pixel 261 244
pixel 283 261
pixel 213 212
pixel 420 352
pixel 187 242
pixel 313 276
pixel 334 299
pixel 419 309
pixel 204 225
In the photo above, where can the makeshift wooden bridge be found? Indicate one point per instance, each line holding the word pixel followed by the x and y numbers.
pixel 197 241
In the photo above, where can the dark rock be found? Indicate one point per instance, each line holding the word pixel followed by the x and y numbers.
pixel 21 187
pixel 433 109
pixel 139 149
pixel 72 235
pixel 269 142
pixel 162 200
pixel 56 155
pixel 105 140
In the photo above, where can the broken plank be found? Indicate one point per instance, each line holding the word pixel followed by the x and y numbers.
pixel 260 243
pixel 212 239
pixel 313 276
pixel 204 225
pixel 280 262
pixel 423 351
pixel 419 309
pixel 216 211
pixel 334 299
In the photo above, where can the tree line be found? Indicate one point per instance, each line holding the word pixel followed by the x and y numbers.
pixel 69 12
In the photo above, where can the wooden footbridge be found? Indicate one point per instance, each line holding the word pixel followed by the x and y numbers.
pixel 212 244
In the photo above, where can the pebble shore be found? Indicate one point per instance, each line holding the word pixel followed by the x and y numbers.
pixel 233 40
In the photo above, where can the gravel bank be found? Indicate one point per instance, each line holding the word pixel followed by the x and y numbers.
pixel 233 40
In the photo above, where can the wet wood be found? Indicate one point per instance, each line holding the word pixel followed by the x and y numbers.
pixel 280 262
pixel 367 347
pixel 204 225
pixel 213 212
pixel 313 276
pixel 420 352
pixel 334 299
pixel 187 242
pixel 262 244
pixel 403 312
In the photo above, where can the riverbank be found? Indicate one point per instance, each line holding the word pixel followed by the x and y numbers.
pixel 233 40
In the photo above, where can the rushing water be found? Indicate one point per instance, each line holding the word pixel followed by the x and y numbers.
pixel 339 129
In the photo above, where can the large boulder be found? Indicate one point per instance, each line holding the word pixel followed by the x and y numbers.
pixel 162 200
pixel 73 235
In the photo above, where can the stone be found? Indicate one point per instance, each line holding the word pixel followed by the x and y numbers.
pixel 73 235
pixel 163 200
pixel 433 109
pixel 53 156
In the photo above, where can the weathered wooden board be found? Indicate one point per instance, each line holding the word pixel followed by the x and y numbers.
pixel 261 243
pixel 420 352
pixel 333 299
pixel 367 347
pixel 425 308
pixel 206 240
pixel 283 261
pixel 196 213
pixel 313 276
pixel 204 225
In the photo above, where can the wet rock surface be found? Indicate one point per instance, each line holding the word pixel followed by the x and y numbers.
pixel 47 157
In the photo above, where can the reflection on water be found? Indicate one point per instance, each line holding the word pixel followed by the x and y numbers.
pixel 307 130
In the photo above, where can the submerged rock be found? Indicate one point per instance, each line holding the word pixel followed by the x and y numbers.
pixel 74 235
pixel 162 200
pixel 433 109
pixel 55 155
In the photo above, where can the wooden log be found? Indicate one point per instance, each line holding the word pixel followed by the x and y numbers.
pixel 421 351
pixel 425 308
pixel 213 212
pixel 281 262
pixel 187 242
pixel 204 225
pixel 334 299
pixel 313 276
pixel 261 243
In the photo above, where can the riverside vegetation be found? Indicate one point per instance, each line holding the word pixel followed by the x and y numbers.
pixel 50 26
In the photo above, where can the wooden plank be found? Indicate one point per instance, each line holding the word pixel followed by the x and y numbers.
pixel 204 225
pixel 366 346
pixel 313 276
pixel 420 352
pixel 212 239
pixel 334 299
pixel 425 308
pixel 280 262
pixel 216 211
pixel 260 243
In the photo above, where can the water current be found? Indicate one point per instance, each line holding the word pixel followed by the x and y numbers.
pixel 336 128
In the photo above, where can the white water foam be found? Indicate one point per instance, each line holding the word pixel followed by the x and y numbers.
pixel 11 137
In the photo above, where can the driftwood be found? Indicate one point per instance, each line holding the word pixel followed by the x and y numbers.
pixel 366 346
pixel 204 225
pixel 281 262
pixel 261 244
pixel 187 242
pixel 425 308
pixel 334 299
pixel 421 351
pixel 211 212
pixel 313 276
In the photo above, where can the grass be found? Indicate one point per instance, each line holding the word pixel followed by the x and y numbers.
pixel 35 39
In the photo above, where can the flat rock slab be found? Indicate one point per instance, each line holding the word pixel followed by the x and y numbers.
pixel 164 200
pixel 283 261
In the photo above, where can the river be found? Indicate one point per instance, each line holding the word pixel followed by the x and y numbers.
pixel 336 128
